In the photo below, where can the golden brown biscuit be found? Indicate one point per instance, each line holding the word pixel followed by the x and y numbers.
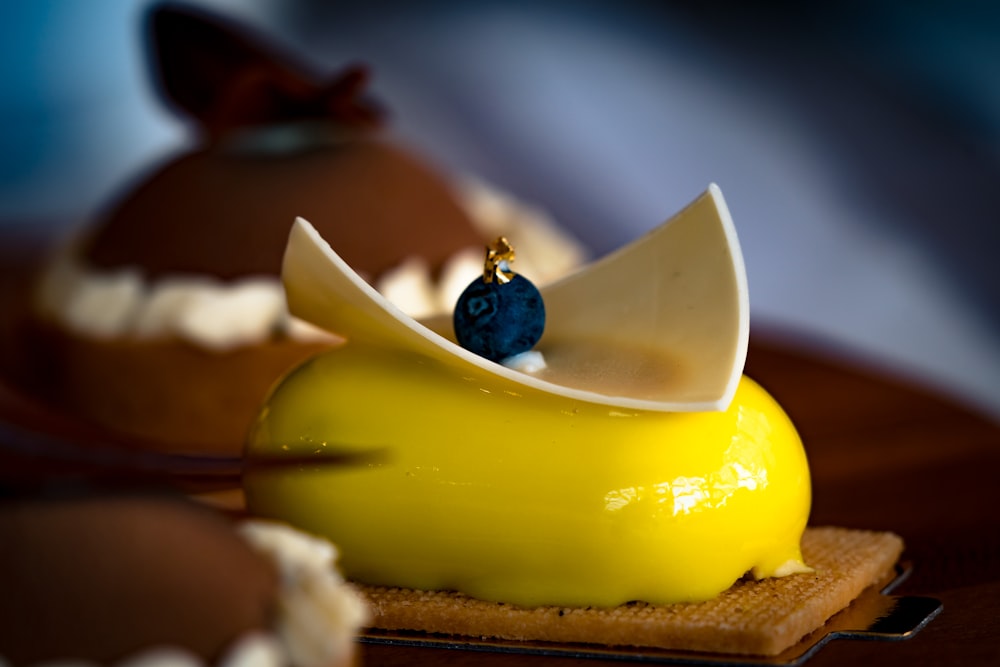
pixel 753 617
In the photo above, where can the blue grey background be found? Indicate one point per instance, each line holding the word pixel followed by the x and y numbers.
pixel 857 144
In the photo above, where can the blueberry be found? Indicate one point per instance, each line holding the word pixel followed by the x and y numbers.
pixel 498 320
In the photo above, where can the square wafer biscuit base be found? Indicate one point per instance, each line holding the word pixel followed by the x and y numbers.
pixel 751 618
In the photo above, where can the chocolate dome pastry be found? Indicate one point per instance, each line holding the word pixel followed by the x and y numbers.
pixel 165 320
pixel 102 576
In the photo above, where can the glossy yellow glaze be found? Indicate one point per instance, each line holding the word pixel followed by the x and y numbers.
pixel 526 497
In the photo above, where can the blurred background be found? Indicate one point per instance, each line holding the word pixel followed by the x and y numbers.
pixel 857 143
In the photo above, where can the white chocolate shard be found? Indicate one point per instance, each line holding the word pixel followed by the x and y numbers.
pixel 661 324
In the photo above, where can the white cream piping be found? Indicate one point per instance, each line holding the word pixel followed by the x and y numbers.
pixel 221 316
pixel 319 614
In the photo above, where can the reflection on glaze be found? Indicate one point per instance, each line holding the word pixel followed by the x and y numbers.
pixel 684 495
pixel 529 497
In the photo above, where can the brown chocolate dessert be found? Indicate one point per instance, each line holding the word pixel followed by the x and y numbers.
pixel 105 576
pixel 276 142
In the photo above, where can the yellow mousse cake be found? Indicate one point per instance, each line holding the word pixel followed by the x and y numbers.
pixel 529 498
pixel 636 465
pixel 603 493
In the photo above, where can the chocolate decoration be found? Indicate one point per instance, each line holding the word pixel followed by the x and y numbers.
pixel 225 77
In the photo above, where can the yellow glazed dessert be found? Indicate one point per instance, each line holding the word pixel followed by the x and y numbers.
pixel 573 486
pixel 529 498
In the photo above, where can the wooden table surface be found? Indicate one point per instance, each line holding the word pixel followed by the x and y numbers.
pixel 884 455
